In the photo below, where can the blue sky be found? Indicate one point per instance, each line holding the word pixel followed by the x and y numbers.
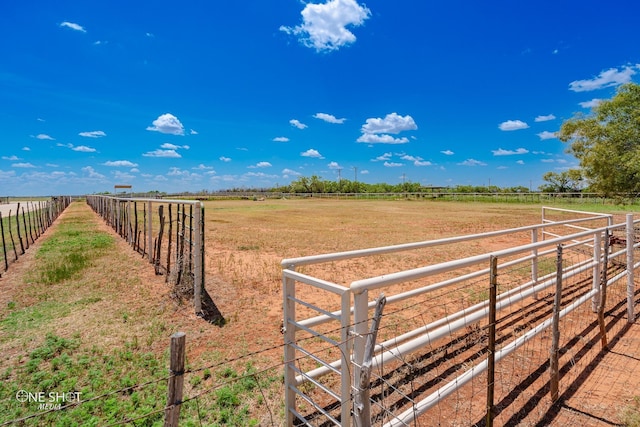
pixel 186 96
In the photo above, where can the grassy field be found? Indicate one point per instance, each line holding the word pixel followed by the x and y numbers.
pixel 82 312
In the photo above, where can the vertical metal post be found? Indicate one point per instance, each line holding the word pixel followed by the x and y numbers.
pixel 198 285
pixel 555 328
pixel 345 356
pixel 361 327
pixel 150 230
pixel 597 257
pixel 631 238
pixel 361 403
pixel 491 345
pixel 289 330
pixel 534 261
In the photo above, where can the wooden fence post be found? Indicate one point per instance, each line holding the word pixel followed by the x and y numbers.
pixel 4 245
pixel 603 291
pixel 555 334
pixel 176 380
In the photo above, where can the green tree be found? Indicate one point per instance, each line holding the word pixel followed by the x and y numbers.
pixel 569 181
pixel 607 142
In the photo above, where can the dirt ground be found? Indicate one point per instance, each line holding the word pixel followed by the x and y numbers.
pixel 247 240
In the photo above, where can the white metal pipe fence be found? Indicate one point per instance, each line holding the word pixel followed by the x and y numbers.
pixel 169 233
pixel 304 318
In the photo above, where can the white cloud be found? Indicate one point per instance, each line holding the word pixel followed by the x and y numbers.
pixel 91 172
pixel 392 123
pixel 84 149
pixel 22 165
pixel 93 134
pixel 381 139
pixel 501 152
pixel 520 162
pixel 26 149
pixel 224 159
pixel 169 146
pixel 296 123
pixel 329 118
pixel 44 136
pixel 324 26
pixel 417 161
pixel 287 172
pixel 312 153
pixel 193 132
pixel 607 78
pixel 202 167
pixel 163 153
pixel 11 158
pixel 281 139
pixel 73 26
pixel 120 163
pixel 392 164
pixel 334 166
pixel 547 135
pixel 167 123
pixel 448 152
pixel 472 162
pixel 261 165
pixel 545 118
pixel 513 125
pixel 590 104
pixel 385 156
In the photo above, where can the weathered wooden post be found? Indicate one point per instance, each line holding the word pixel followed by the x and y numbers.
pixel 176 380
pixel 555 330
pixel 631 239
pixel 603 291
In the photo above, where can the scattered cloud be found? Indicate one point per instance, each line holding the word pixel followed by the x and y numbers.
pixel 43 136
pixel 472 162
pixel 448 152
pixel 288 172
pixel 163 153
pixel 392 164
pixel 93 134
pixel 202 167
pixel 224 159
pixel 312 153
pixel 520 162
pixel 84 149
pixel 590 104
pixel 73 26
pixel 26 149
pixel 501 152
pixel 334 166
pixel 170 146
pixel 381 139
pixel 417 161
pixel 329 118
pixel 385 156
pixel 120 163
pixel 91 172
pixel 512 125
pixel 193 132
pixel 22 165
pixel 545 118
pixel 297 123
pixel 392 123
pixel 167 123
pixel 260 165
pixel 281 139
pixel 607 78
pixel 324 26
pixel 11 158
pixel 547 135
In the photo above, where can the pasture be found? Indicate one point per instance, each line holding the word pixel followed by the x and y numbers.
pixel 103 329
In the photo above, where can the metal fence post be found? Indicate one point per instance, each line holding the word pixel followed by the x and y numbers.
pixel 360 329
pixel 555 330
pixel 198 284
pixel 289 330
pixel 491 345
pixel 597 255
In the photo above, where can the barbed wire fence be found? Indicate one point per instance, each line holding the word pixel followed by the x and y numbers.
pixel 24 224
